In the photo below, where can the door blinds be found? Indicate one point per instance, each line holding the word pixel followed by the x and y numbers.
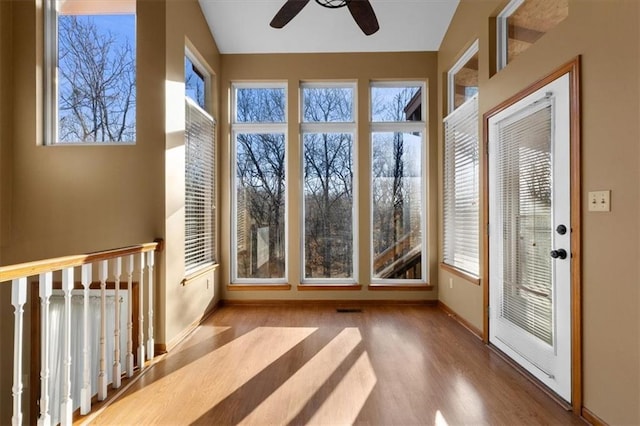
pixel 199 187
pixel 461 188
pixel 524 179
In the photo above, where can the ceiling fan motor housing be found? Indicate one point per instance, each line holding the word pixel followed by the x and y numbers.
pixel 332 4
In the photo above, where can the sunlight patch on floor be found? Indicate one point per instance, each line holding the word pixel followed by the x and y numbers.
pixel 202 332
pixel 347 399
pixel 471 402
pixel 440 420
pixel 234 364
pixel 283 405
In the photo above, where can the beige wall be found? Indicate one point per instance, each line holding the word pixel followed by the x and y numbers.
pixel 183 304
pixel 294 68
pixel 6 124
pixel 60 200
pixel 606 35
pixel 5 197
pixel 77 199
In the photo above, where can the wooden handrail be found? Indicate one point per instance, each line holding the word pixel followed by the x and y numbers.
pixel 11 272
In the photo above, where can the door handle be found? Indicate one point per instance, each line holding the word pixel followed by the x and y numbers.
pixel 559 254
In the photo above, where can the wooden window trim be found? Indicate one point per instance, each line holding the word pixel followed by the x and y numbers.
pixel 460 273
pixel 329 287
pixel 188 279
pixel 258 287
pixel 400 287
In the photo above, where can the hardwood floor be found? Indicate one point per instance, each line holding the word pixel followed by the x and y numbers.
pixel 290 365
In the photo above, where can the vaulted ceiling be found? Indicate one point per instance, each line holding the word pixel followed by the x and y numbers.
pixel 242 26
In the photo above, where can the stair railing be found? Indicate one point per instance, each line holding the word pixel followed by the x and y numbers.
pixel 138 258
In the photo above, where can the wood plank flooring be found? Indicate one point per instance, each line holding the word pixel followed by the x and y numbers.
pixel 286 365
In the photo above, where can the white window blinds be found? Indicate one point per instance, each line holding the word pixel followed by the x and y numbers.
pixel 461 188
pixel 199 187
pixel 524 187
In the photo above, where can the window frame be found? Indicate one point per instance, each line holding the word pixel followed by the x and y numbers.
pixel 402 127
pixel 502 32
pixel 330 127
pixel 257 128
pixel 207 77
pixel 192 270
pixel 451 74
pixel 51 116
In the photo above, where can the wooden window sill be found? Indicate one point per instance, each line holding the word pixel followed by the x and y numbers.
pixel 329 287
pixel 197 274
pixel 460 273
pixel 258 287
pixel 400 287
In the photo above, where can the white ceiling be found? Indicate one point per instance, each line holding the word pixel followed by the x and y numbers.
pixel 242 26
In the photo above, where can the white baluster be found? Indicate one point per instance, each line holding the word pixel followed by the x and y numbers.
pixel 85 393
pixel 129 358
pixel 117 368
pixel 18 299
pixel 46 287
pixel 141 315
pixel 102 375
pixel 66 406
pixel 150 342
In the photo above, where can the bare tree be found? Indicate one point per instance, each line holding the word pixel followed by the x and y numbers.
pixel 328 171
pixel 390 169
pixel 96 83
pixel 261 166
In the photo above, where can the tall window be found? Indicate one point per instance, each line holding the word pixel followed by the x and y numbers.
pixel 259 192
pixel 91 72
pixel 328 129
pixel 398 190
pixel 200 201
pixel 461 220
pixel 522 22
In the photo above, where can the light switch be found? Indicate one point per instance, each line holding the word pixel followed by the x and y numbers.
pixel 600 201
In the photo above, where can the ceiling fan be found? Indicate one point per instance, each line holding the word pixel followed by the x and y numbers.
pixel 361 11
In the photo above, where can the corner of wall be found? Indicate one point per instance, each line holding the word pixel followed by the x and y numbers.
pixel 6 126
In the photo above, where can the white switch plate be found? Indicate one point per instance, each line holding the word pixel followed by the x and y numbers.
pixel 600 201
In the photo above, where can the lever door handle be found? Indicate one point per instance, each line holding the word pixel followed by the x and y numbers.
pixel 559 254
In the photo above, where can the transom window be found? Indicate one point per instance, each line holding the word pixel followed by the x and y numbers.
pixel 195 82
pixel 522 22
pixel 462 78
pixel 328 130
pixel 90 72
pixel 259 187
pixel 398 183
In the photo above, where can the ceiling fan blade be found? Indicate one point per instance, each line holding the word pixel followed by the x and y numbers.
pixel 364 16
pixel 287 12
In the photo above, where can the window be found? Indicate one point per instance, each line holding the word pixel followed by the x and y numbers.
pixel 522 22
pixel 200 200
pixel 461 191
pixel 259 188
pixel 398 184
pixel 462 78
pixel 328 130
pixel 91 72
pixel 461 188
pixel 195 82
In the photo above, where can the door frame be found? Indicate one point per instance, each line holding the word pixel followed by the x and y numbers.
pixel 571 68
